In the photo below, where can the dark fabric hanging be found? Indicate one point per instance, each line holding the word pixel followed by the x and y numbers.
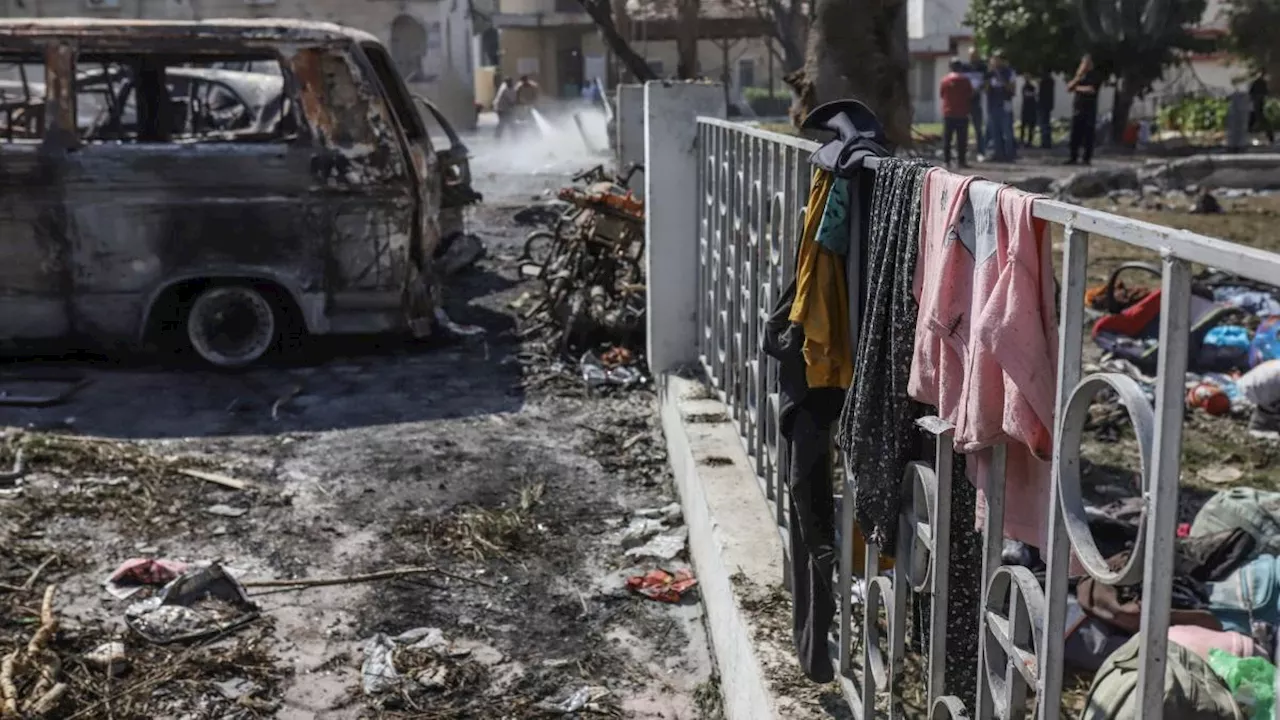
pixel 877 429
pixel 877 426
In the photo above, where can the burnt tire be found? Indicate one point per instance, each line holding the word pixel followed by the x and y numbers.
pixel 233 326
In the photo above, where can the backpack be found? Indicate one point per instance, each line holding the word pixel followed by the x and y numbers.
pixel 1249 509
pixel 1192 691
pixel 1250 594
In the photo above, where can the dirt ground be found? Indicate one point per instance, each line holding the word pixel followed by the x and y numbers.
pixel 513 482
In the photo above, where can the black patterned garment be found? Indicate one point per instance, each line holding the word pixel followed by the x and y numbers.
pixel 877 429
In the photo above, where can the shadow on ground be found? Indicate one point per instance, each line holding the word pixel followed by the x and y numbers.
pixel 331 383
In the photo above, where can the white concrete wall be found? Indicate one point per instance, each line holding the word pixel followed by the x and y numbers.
pixel 671 216
pixel 630 127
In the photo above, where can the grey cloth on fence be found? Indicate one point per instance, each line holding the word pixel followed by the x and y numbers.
pixel 877 429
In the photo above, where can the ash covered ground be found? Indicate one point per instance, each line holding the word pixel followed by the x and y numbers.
pixel 509 477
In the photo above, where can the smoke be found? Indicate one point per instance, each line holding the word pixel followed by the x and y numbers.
pixel 539 154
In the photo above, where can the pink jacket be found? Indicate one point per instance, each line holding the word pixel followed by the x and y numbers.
pixel 986 339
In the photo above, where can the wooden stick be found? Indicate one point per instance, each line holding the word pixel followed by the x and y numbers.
pixel 31 581
pixel 370 577
pixel 215 478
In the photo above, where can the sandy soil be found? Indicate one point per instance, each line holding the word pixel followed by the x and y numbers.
pixel 381 455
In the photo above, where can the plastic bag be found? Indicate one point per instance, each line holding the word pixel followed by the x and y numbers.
pixel 1252 682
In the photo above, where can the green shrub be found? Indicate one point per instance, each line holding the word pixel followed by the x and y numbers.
pixel 1205 114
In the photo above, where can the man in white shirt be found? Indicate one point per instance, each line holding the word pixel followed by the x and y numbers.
pixel 503 103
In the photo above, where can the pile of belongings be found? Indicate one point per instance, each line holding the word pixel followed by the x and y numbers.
pixel 1234 356
pixel 1226 605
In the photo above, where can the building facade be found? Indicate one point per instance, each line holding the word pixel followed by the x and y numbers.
pixel 557 42
pixel 431 40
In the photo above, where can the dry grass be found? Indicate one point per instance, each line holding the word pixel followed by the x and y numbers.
pixel 480 533
pixel 46 661
pixel 96 477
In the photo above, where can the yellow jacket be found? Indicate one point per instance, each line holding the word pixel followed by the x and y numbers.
pixel 821 305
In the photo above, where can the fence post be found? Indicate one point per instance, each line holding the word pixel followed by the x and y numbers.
pixel 671 216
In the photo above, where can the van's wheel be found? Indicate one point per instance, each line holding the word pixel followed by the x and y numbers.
pixel 232 326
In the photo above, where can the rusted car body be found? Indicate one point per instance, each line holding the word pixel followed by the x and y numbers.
pixel 321 197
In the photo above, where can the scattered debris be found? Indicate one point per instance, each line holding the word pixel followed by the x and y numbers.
pixel 663 586
pixel 201 603
pixel 109 658
pixel 378 672
pixel 1220 475
pixel 133 575
pixel 35 663
pixel 641 530
pixel 19 469
pixel 669 513
pixel 217 479
pixel 590 264
pixel 597 370
pixel 369 577
pixel 1206 204
pixel 662 547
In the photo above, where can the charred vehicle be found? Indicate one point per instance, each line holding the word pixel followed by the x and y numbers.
pixel 229 185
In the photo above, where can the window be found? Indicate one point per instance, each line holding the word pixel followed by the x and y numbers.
pixel 394 90
pixel 153 98
pixel 22 99
pixel 747 73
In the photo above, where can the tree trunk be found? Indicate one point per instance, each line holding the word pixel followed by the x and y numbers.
pixel 687 39
pixel 857 49
pixel 622 25
pixel 602 15
pixel 1121 108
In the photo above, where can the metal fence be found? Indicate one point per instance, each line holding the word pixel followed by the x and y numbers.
pixel 753 186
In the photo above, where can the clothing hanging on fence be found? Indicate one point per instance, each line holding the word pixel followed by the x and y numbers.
pixel 808 333
pixel 878 429
pixel 821 305
pixel 858 136
pixel 986 341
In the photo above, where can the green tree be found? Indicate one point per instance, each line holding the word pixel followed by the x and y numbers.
pixel 1255 34
pixel 1037 36
pixel 1130 40
pixel 1135 40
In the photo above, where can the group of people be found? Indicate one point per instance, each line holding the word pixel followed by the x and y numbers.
pixel 981 93
pixel 514 101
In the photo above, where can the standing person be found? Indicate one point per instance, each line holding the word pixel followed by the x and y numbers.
pixel 957 97
pixel 526 92
pixel 504 103
pixel 1045 107
pixel 1001 85
pixel 1030 111
pixel 976 70
pixel 1084 110
pixel 1258 121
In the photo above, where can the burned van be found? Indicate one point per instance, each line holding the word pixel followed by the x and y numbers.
pixel 228 185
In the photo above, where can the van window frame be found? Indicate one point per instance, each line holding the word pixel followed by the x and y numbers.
pixel 156 63
pixel 399 100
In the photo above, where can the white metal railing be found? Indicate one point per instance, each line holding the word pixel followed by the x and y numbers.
pixel 753 185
